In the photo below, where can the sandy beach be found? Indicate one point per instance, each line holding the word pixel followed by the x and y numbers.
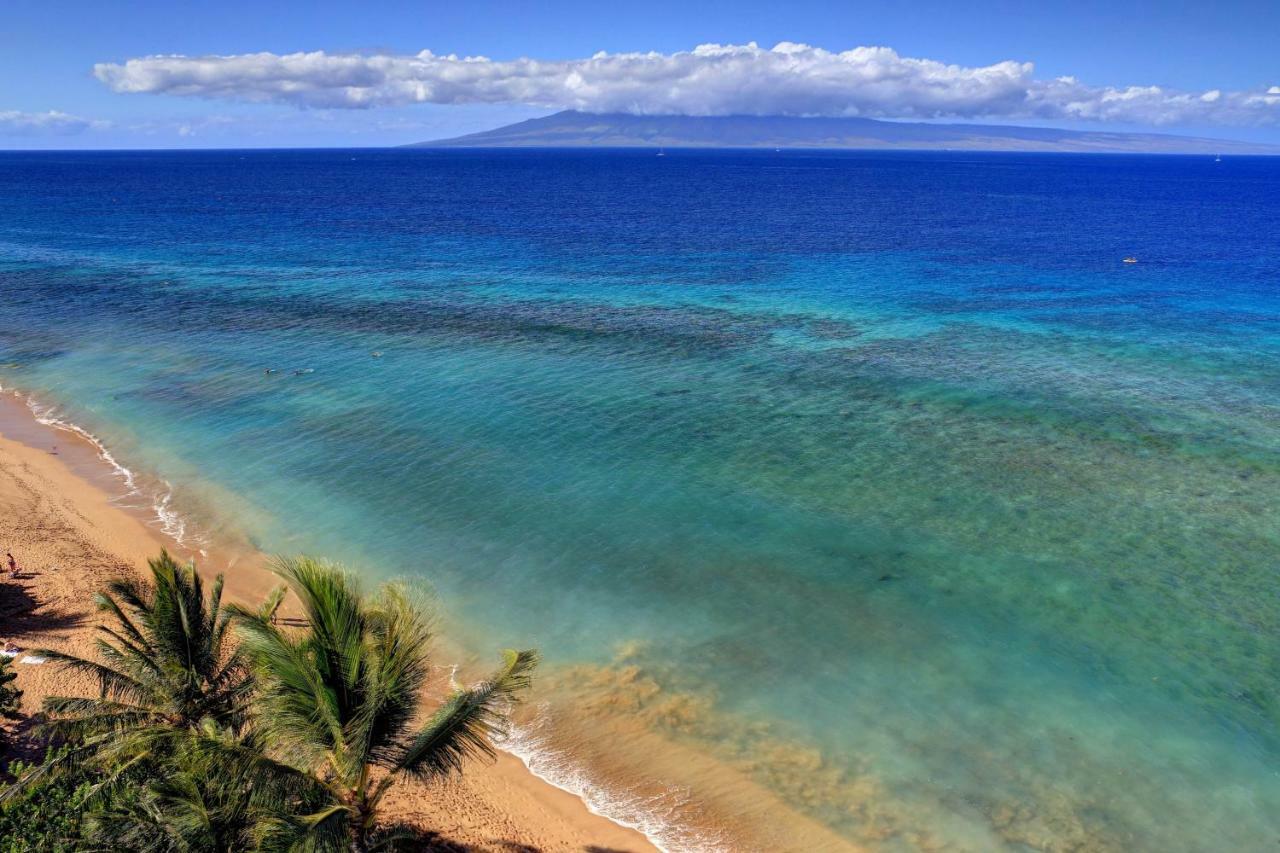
pixel 58 517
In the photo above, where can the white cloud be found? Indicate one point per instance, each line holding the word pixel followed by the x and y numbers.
pixel 789 79
pixel 51 122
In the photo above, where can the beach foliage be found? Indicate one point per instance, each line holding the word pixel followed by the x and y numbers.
pixel 286 741
pixel 211 793
pixel 10 695
pixel 44 817
pixel 342 702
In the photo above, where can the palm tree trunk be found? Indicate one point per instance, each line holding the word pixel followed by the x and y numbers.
pixel 358 827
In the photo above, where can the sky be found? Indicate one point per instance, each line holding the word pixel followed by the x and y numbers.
pixel 181 74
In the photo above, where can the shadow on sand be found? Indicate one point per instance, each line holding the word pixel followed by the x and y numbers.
pixel 23 613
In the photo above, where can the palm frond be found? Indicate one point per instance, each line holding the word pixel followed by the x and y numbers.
pixel 109 604
pixel 322 830
pixel 271 604
pixel 296 705
pixel 111 682
pixel 396 670
pixel 331 599
pixel 463 727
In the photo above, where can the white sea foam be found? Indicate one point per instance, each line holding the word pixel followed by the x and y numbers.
pixel 170 522
pixel 653 817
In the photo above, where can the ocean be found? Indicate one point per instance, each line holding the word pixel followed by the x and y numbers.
pixel 869 491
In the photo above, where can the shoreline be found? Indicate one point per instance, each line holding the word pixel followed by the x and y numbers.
pixel 71 533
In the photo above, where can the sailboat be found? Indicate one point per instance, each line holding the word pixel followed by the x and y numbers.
pixel 1218 159
pixel 662 152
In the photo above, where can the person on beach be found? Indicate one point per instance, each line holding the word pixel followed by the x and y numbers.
pixel 13 564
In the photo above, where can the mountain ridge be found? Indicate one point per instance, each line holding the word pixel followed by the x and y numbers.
pixel 572 129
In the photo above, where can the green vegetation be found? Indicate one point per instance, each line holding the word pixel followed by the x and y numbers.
pixel 212 793
pixel 44 817
pixel 10 696
pixel 287 740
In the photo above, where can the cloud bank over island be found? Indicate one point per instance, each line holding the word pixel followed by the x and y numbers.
pixel 711 80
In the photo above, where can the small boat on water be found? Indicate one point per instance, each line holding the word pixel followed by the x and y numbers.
pixel 1131 260
pixel 662 152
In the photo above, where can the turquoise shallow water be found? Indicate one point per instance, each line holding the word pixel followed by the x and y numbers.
pixel 884 458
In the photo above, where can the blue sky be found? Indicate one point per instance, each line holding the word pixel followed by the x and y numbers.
pixel 331 73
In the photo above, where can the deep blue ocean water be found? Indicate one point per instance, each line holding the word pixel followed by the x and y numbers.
pixel 924 509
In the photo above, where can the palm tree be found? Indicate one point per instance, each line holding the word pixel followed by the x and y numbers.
pixel 166 666
pixel 342 702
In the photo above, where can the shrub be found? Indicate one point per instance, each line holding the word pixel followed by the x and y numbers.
pixel 43 818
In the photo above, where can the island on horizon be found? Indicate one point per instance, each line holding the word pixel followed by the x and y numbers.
pixel 574 129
